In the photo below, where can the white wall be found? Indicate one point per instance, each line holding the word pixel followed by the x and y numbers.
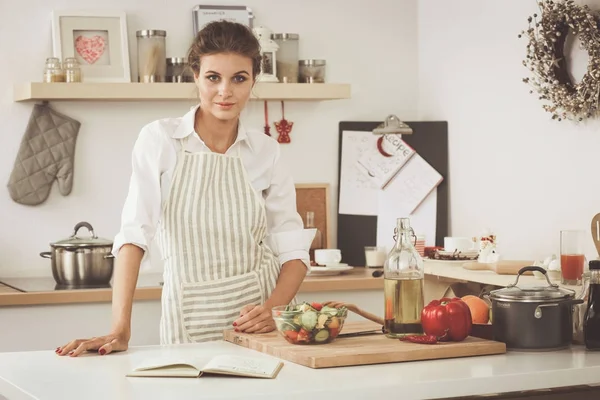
pixel 512 168
pixel 355 45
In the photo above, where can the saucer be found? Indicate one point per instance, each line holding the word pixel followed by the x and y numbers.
pixel 333 265
pixel 329 270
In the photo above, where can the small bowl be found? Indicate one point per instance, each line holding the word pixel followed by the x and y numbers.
pixel 308 323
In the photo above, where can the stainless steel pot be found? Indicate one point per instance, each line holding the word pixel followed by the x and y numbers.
pixel 81 262
pixel 533 318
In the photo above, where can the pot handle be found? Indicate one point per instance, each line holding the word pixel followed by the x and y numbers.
pixel 84 224
pixel 46 254
pixel 532 268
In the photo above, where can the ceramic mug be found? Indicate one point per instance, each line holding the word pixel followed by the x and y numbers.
pixel 458 244
pixel 328 256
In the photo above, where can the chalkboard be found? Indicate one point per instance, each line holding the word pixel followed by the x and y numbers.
pixel 430 140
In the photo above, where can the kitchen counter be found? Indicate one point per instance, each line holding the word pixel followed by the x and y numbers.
pixel 455 272
pixel 149 288
pixel 358 279
pixel 42 375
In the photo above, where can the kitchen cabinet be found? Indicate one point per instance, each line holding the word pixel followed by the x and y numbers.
pixel 40 91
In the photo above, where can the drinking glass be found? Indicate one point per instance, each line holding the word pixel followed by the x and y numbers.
pixel 572 257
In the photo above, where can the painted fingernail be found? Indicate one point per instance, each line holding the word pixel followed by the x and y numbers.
pixel 102 352
pixel 236 329
pixel 234 323
pixel 71 352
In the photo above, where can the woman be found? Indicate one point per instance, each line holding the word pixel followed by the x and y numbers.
pixel 224 209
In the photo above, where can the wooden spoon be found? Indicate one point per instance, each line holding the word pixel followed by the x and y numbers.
pixel 355 309
pixel 596 232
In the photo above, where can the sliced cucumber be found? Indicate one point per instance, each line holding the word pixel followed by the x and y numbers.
pixel 309 320
pixel 322 336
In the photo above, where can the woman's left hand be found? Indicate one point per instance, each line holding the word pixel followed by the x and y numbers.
pixel 255 319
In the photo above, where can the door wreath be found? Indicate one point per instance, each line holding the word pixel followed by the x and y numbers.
pixel 562 97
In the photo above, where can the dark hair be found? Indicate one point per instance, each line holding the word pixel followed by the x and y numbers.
pixel 225 37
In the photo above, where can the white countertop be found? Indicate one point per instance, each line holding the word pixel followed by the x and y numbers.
pixel 43 375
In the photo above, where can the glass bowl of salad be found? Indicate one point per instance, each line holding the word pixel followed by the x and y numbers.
pixel 309 323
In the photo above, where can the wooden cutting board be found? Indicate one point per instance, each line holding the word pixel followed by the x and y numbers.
pixel 361 350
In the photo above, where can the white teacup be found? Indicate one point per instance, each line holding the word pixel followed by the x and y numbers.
pixel 458 244
pixel 328 256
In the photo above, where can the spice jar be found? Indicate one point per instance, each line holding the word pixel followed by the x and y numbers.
pixel 72 70
pixel 53 71
pixel 176 67
pixel 287 56
pixel 312 71
pixel 151 55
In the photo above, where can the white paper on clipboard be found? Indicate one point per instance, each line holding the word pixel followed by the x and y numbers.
pixel 413 194
pixel 381 169
pixel 357 193
pixel 423 220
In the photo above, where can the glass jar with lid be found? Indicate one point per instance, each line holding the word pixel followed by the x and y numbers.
pixel 176 67
pixel 72 70
pixel 311 71
pixel 287 56
pixel 53 71
pixel 151 55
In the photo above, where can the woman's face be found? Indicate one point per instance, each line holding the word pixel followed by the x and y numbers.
pixel 224 82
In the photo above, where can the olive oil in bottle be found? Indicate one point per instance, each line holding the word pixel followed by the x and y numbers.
pixel 403 306
pixel 404 285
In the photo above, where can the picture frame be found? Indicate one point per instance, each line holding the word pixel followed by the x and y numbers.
pixel 98 40
pixel 204 13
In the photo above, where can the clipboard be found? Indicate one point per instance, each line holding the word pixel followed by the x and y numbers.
pixel 430 140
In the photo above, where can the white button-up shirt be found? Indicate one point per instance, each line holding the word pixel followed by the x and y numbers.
pixel 153 163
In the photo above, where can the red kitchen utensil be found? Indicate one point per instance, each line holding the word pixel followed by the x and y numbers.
pixel 267 127
pixel 283 127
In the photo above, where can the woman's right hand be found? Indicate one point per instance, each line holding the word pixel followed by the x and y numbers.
pixel 102 344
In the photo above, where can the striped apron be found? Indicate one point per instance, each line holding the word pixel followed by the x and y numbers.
pixel 212 239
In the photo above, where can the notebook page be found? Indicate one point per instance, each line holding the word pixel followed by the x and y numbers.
pixel 243 365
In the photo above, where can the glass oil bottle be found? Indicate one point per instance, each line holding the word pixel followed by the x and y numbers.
pixel 404 284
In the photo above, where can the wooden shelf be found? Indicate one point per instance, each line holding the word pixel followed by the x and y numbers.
pixel 39 91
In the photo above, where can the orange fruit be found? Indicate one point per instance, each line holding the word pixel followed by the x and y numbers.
pixel 480 311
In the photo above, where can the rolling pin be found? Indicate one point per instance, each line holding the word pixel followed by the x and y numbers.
pixel 502 267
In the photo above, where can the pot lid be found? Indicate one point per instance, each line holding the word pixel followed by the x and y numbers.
pixel 78 241
pixel 535 293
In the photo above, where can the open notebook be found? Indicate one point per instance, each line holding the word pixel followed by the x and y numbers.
pixel 250 367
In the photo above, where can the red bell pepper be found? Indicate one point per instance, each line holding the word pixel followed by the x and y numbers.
pixel 448 319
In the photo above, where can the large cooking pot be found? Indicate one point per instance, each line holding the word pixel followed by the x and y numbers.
pixel 533 318
pixel 81 261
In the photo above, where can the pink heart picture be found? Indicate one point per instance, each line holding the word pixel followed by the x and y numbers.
pixel 90 48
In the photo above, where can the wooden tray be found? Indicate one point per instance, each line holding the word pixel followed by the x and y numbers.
pixel 361 350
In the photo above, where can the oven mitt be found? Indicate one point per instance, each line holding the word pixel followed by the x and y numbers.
pixel 46 154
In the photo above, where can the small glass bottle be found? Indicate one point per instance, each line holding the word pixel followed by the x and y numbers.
pixel 317 242
pixel 53 71
pixel 72 70
pixel 591 320
pixel 403 284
